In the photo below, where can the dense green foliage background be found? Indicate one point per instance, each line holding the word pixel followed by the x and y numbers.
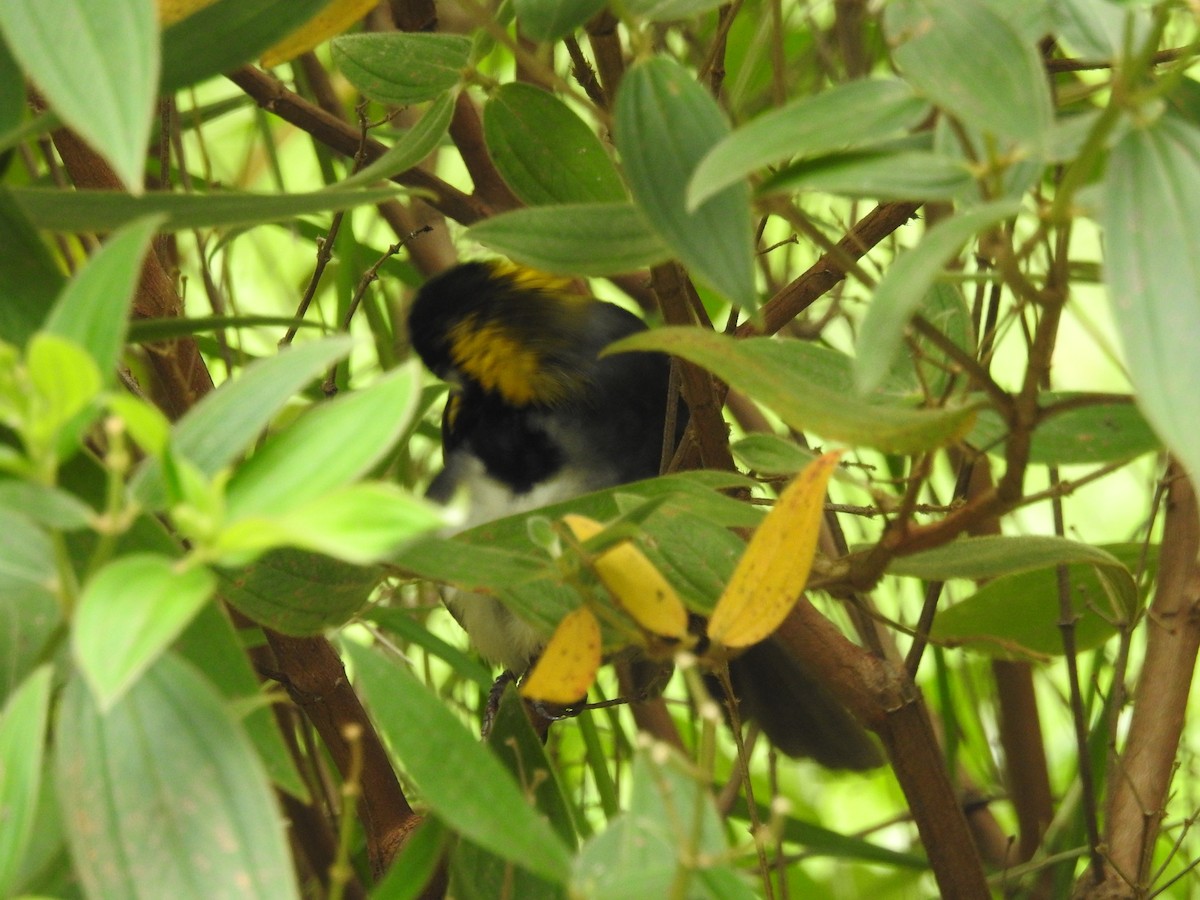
pixel 956 237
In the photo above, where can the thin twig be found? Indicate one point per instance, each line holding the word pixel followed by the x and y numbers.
pixel 330 384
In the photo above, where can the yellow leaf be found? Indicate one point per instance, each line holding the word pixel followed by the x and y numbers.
pixel 774 568
pixel 635 583
pixel 329 22
pixel 568 665
pixel 171 11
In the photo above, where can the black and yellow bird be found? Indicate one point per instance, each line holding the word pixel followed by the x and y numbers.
pixel 536 416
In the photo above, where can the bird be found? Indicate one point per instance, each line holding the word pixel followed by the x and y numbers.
pixel 535 415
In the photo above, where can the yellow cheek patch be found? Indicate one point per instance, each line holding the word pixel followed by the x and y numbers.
pixel 491 356
pixel 523 279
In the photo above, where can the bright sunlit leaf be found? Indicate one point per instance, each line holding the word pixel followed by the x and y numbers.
pixel 635 583
pixel 568 665
pixel 774 569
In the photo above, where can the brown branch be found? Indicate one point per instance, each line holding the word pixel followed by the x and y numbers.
pixel 316 680
pixel 713 68
pixel 1085 65
pixel 699 390
pixel 584 74
pixel 414 15
pixel 883 699
pixel 466 129
pixel 605 42
pixel 180 375
pixel 337 134
pixel 1020 728
pixel 1139 781
pixel 830 268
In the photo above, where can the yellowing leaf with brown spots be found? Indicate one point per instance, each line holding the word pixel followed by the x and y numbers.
pixel 332 20
pixel 568 665
pixel 774 568
pixel 635 583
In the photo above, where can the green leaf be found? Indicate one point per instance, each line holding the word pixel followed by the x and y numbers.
pixel 856 114
pixel 992 556
pixel 143 421
pixel 413 146
pixel 404 624
pixel 810 388
pixel 464 784
pixel 1088 434
pixel 668 835
pixel 12 93
pixel 29 279
pixel 358 523
pixel 27 560
pixel 227 34
pixel 402 68
pixel 1097 29
pixel 1018 615
pixel 29 620
pixel 521 751
pixel 491 568
pixel 552 20
pixel 22 744
pixel 664 123
pixel 97 63
pixel 312 455
pixel 906 175
pixel 45 505
pixel 407 876
pixel 927 370
pixel 93 309
pixel 668 10
pixel 970 61
pixel 499 554
pixel 907 282
pixel 211 644
pixel 130 612
pixel 574 239
pixel 544 151
pixel 165 790
pixel 74 211
pixel 219 428
pixel 696 554
pixel 1153 274
pixel 29 608
pixel 769 454
pixel 820 841
pixel 148 331
pixel 299 593
pixel 65 381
